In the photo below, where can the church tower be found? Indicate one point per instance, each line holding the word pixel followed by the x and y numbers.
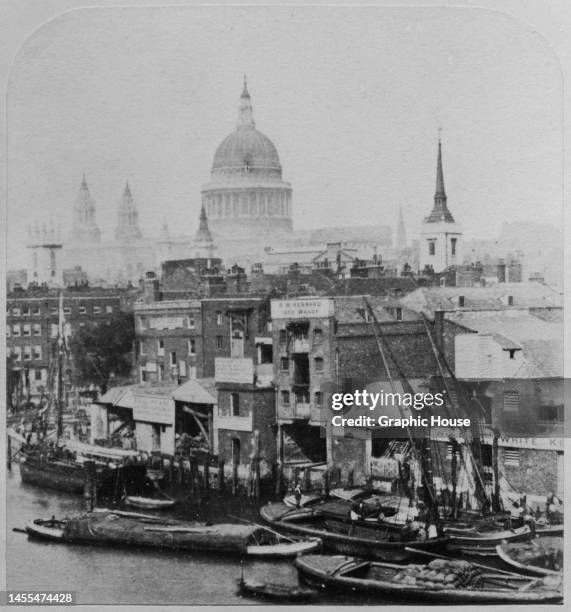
pixel 45 261
pixel 127 218
pixel 203 243
pixel 440 234
pixel 84 228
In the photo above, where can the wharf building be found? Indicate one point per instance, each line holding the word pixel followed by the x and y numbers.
pixel 505 346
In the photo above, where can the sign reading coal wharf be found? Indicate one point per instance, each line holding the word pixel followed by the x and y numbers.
pixel 315 308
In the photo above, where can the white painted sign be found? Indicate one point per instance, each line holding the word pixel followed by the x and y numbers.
pixel 151 366
pixel 154 409
pixel 307 308
pixel 231 370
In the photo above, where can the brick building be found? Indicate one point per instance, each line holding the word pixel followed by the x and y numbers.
pixel 325 345
pixel 32 318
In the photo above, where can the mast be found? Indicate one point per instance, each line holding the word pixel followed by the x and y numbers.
pixel 59 370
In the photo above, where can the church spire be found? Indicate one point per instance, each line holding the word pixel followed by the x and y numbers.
pixel 401 232
pixel 440 212
pixel 245 111
pixel 203 234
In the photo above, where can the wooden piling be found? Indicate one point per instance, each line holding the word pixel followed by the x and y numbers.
pixel 221 474
pixel 234 475
pixel 279 478
pixel 326 482
pixel 180 474
pixel 207 472
pixel 307 479
pixel 257 478
pixel 192 473
pixel 90 488
pixel 351 478
pixel 9 451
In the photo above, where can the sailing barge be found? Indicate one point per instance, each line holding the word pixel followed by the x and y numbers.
pixel 140 530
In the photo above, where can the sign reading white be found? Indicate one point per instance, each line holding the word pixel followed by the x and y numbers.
pixel 302 308
pixel 227 369
pixel 154 409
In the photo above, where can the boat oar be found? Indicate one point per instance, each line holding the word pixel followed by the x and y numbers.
pixel 486 567
pixel 18 530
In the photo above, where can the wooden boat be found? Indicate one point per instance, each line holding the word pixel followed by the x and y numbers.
pixel 484 543
pixel 57 474
pixel 131 529
pixel 47 529
pixel 538 557
pixel 274 590
pixel 438 581
pixel 371 545
pixel 148 503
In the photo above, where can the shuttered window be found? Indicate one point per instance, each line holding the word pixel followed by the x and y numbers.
pixel 511 401
pixel 511 456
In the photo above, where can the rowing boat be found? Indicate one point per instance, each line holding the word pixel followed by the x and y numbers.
pixel 148 503
pixel 538 557
pixel 274 590
pixel 484 543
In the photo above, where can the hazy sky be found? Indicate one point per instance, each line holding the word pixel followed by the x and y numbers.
pixel 351 97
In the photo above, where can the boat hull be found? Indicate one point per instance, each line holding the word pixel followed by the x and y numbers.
pixel 485 545
pixel 57 475
pixel 328 572
pixel 366 547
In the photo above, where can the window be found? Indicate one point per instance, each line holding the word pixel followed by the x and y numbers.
pixel 144 322
pixel 36 312
pixel 16 331
pixel 234 404
pixel 27 353
pixel 318 398
pixel 317 335
pixel 398 314
pixel 318 362
pixel 7 331
pixel 192 371
pixel 25 311
pixel 141 347
pixel 53 310
pixel 283 336
pixel 363 313
pixel 192 346
pixel 82 310
pixel 37 329
pixel 510 300
pixel 53 330
pixel 511 456
pixel 108 309
pixel 161 371
pixel 37 374
pixel 26 330
pixel 160 348
pixel 96 310
pixel 37 351
pixel 15 312
pixel 191 322
pixel 17 352
pixel 284 364
pixel 432 247
pixel 173 358
pixel 550 414
pixel 67 310
pixel 219 342
pixel 285 398
pixel 511 401
pixel 218 317
pixel 461 301
pixel 453 242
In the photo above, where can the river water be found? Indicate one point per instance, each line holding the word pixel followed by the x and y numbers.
pixel 134 576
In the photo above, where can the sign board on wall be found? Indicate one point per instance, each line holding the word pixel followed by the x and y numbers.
pixel 310 308
pixel 230 370
pixel 153 409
